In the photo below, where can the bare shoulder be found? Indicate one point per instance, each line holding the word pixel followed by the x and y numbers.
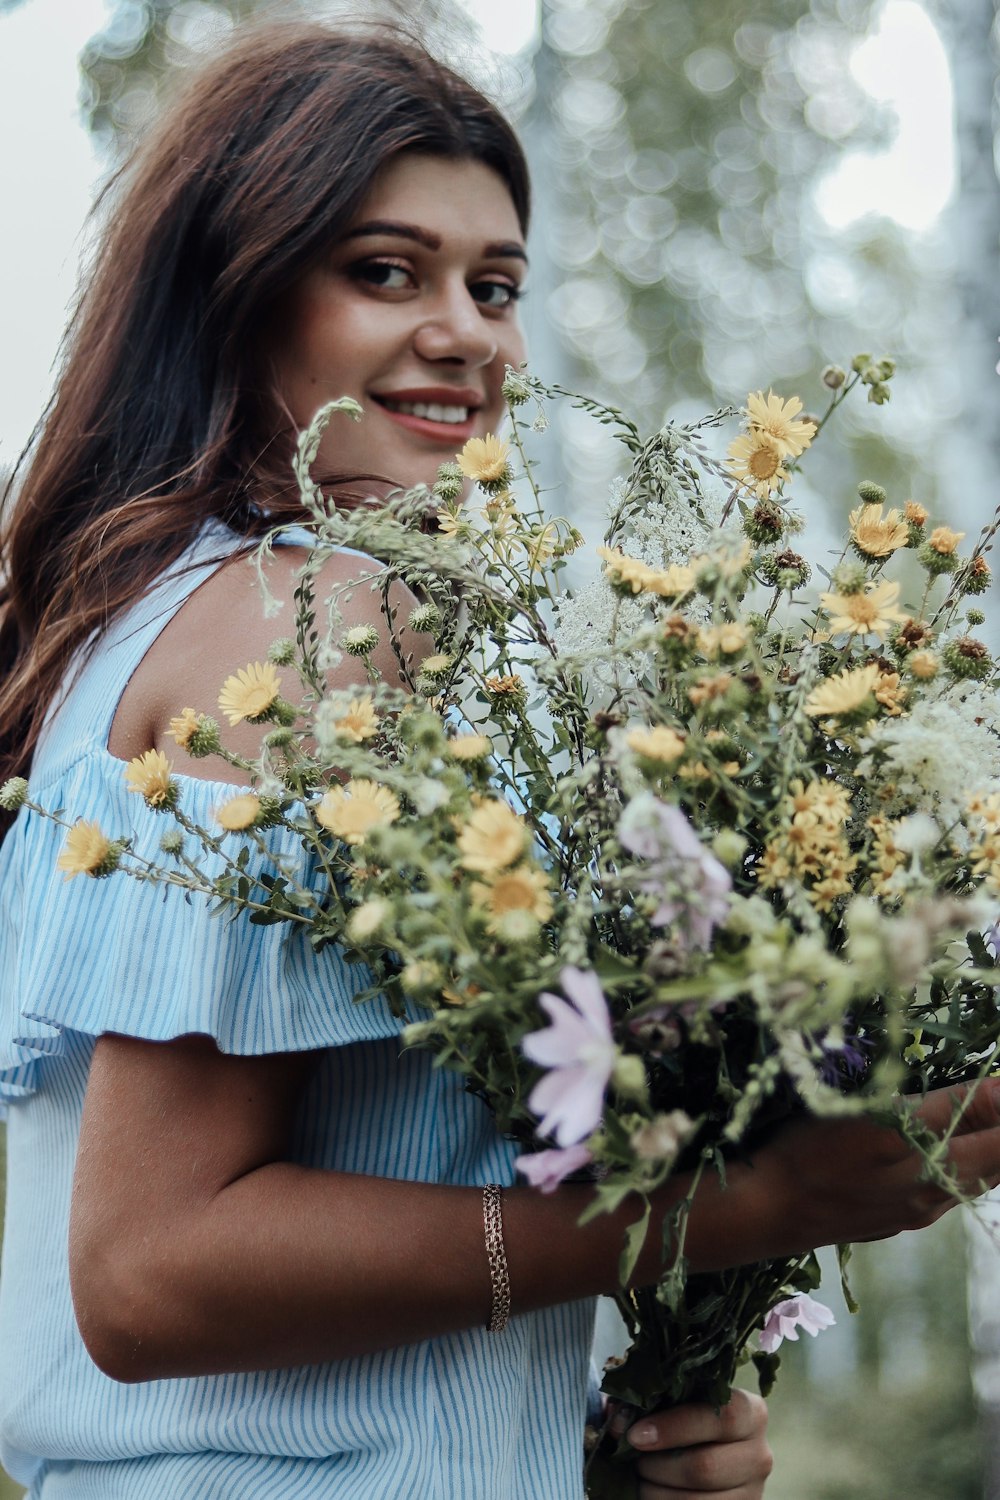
pixel 223 627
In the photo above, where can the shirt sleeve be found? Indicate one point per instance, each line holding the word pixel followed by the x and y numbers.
pixel 146 960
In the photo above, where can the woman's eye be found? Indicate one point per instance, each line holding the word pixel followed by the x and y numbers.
pixel 498 294
pixel 383 273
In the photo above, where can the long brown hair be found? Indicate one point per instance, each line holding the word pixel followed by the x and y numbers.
pixel 163 414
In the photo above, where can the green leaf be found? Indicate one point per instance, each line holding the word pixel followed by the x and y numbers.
pixel 767 1366
pixel 635 1237
pixel 980 953
pixel 844 1253
pixel 807 1276
pixel 610 1479
pixel 613 968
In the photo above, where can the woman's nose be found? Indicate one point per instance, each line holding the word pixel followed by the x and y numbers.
pixel 454 328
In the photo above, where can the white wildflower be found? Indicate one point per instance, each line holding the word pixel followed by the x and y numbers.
pixel 921 750
pixel 427 795
pixel 595 617
pixel 916 834
pixel 328 657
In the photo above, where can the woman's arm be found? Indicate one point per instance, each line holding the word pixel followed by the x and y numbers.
pixel 197 1248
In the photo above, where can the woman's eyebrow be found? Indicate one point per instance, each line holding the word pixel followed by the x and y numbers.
pixel 499 249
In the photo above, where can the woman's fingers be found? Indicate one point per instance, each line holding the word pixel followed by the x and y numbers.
pixel 974 1148
pixel 980 1107
pixel 744 1415
pixel 659 1492
pixel 695 1450
pixel 716 1469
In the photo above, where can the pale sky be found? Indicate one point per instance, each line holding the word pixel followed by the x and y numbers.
pixel 48 167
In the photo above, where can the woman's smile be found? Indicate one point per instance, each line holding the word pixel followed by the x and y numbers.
pixel 413 312
pixel 441 413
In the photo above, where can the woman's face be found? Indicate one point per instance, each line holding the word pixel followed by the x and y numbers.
pixel 414 313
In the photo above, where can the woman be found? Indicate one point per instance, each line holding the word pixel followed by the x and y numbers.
pixel 245 1247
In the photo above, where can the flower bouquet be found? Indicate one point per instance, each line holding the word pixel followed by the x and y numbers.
pixel 656 863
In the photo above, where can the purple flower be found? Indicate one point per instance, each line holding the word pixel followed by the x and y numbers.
pixel 546 1169
pixel 580 1051
pixel 845 1062
pixel 991 937
pixel 784 1321
pixel 691 885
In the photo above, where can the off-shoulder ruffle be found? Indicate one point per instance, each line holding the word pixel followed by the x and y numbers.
pixel 123 955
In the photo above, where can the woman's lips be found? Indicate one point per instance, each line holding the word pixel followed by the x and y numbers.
pixel 446 434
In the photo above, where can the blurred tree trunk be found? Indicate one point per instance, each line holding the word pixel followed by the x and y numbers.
pixel 970 27
pixel 973 457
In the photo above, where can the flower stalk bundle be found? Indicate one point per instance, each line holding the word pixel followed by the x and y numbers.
pixel 655 864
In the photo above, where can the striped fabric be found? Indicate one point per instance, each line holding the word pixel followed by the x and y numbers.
pixel 469 1416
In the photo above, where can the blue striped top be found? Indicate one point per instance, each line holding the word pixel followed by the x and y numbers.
pixel 467 1416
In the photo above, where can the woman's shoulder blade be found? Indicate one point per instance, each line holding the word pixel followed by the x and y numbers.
pixel 223 626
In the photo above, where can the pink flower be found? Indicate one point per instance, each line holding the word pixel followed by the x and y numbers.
pixel 784 1321
pixel 546 1169
pixel 690 884
pixel 579 1050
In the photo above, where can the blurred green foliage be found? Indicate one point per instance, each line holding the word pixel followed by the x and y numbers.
pixel 126 66
pixel 881 1406
pixel 690 142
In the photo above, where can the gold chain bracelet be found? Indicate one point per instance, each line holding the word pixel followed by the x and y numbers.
pixel 497 1257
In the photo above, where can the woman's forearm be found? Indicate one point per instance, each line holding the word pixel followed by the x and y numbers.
pixel 197 1247
pixel 292 1265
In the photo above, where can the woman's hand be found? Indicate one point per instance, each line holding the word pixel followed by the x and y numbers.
pixel 693 1451
pixel 850 1179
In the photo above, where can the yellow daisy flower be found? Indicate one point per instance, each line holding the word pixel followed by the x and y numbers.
pixel 493 837
pixel 149 775
pixel 436 665
pixel 923 665
pixel 914 513
pixel 831 800
pixel 707 688
pixel 485 460
pixel 986 805
pixel 891 693
pixel 726 639
pixel 359 721
pixel 869 612
pixel 519 890
pixel 350 812
pixel 670 582
pixel 774 868
pixel 509 686
pixel 469 747
pixel 944 540
pixel 239 812
pixel 183 727
pixel 728 561
pixel 541 545
pixel 843 693
pixel 454 524
pixel 779 419
pixel 876 535
pixel 756 461
pixel 825 892
pixel 250 693
pixel 366 919
pixel 630 572
pixel 86 850
pixel 658 743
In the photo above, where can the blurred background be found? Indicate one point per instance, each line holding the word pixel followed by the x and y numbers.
pixel 728 196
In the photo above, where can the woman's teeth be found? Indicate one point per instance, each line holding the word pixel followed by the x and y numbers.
pixel 432 411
